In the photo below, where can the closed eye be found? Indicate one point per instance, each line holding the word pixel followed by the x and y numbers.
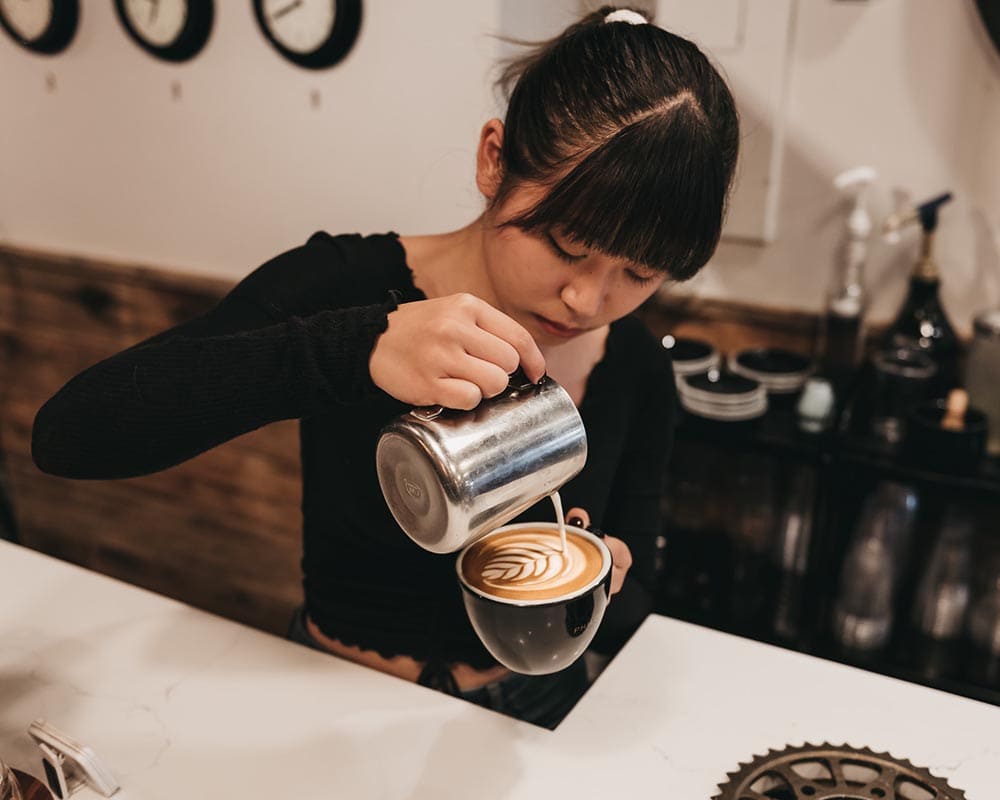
pixel 570 258
pixel 637 278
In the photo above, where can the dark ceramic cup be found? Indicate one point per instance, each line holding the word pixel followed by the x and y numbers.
pixel 538 637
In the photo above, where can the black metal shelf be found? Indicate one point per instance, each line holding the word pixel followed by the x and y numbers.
pixel 985 480
pixel 777 432
pixel 848 466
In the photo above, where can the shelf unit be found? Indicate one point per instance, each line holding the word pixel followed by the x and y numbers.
pixel 709 552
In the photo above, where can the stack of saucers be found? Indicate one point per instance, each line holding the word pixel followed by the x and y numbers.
pixel 722 396
pixel 778 371
pixel 691 356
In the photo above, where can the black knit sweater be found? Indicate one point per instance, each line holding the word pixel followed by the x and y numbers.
pixel 292 340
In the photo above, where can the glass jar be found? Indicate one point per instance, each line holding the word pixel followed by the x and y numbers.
pixel 901 381
pixel 981 370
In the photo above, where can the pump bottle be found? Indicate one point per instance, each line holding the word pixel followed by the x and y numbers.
pixel 922 323
pixel 843 320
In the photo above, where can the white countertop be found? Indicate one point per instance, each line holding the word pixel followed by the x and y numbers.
pixel 182 704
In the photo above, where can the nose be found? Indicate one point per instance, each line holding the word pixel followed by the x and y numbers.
pixel 585 294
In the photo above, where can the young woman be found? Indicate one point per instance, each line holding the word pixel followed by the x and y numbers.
pixel 608 176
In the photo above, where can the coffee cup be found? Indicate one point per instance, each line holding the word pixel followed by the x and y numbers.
pixel 535 607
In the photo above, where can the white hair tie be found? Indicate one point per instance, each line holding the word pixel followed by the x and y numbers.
pixel 626 15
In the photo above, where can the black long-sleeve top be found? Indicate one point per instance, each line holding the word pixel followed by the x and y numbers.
pixel 293 340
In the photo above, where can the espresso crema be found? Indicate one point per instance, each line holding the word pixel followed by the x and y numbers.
pixel 530 564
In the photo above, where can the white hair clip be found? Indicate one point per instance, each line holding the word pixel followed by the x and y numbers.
pixel 626 15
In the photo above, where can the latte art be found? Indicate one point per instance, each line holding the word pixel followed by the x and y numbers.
pixel 531 564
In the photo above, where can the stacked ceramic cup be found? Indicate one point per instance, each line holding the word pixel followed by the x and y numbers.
pixel 691 356
pixel 778 371
pixel 722 396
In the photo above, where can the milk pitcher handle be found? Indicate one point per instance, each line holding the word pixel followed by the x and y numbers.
pixel 517 384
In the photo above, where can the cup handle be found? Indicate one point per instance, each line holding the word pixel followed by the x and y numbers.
pixel 576 522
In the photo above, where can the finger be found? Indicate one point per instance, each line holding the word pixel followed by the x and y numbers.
pixel 621 556
pixel 621 561
pixel 617 580
pixel 487 346
pixel 499 324
pixel 457 393
pixel 578 517
pixel 490 378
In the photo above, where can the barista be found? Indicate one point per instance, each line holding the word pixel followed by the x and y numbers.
pixel 607 177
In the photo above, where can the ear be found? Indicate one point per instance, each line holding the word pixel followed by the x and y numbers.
pixel 489 159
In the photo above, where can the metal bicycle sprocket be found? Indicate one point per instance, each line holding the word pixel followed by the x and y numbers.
pixel 830 772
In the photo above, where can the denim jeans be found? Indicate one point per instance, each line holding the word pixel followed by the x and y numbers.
pixel 539 699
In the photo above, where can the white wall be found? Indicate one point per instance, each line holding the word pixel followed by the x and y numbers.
pixel 911 87
pixel 243 166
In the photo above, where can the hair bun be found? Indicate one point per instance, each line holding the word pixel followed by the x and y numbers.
pixel 626 15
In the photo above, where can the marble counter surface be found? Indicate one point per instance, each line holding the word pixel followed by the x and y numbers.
pixel 182 704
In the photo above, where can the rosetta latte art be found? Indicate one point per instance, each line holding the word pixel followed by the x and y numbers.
pixel 529 564
pixel 533 566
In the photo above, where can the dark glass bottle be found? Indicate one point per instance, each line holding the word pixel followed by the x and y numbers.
pixel 932 642
pixel 863 611
pixel 983 663
pixel 790 555
pixel 842 335
pixel 922 323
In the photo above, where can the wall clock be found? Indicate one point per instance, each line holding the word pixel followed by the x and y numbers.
pixel 989 10
pixel 43 26
pixel 311 33
pixel 172 30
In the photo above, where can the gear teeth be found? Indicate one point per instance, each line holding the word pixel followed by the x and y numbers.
pixel 738 780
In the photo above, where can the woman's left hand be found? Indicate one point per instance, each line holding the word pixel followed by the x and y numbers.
pixel 621 556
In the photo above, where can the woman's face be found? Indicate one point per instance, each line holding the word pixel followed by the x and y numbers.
pixel 552 285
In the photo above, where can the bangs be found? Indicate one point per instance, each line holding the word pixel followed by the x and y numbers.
pixel 653 194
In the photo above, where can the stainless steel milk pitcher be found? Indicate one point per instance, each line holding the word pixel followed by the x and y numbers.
pixel 450 477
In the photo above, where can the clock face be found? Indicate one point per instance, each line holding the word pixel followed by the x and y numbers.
pixel 159 23
pixel 310 33
pixel 172 30
pixel 300 25
pixel 45 26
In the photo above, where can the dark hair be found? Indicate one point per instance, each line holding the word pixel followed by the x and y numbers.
pixel 634 133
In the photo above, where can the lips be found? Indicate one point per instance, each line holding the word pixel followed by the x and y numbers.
pixel 557 329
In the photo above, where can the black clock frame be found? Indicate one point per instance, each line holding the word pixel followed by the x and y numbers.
pixel 192 38
pixel 989 11
pixel 346 25
pixel 56 38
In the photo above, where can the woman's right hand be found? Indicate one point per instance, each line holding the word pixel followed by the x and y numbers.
pixel 451 351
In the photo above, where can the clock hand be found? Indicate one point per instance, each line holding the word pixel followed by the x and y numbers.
pixel 155 11
pixel 290 7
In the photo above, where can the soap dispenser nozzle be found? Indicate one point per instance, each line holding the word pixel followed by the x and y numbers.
pixel 926 214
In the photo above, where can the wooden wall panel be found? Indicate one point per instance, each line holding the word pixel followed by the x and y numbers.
pixel 730 326
pixel 222 531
